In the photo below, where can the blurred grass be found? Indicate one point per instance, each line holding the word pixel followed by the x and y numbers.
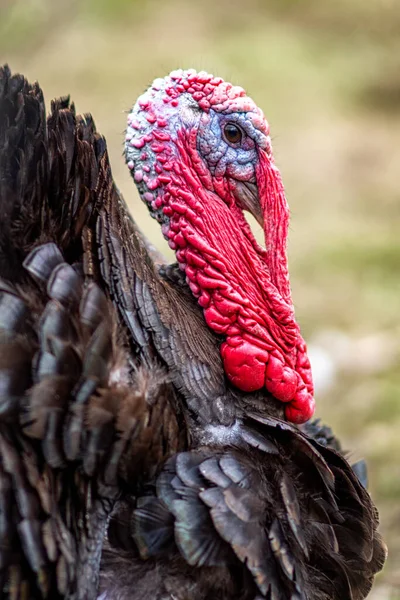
pixel 328 78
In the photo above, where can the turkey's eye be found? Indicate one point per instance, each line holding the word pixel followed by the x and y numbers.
pixel 233 133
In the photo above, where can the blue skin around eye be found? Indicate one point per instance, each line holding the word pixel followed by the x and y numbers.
pixel 222 159
pixel 237 161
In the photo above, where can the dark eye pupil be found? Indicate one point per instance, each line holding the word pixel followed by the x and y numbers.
pixel 232 133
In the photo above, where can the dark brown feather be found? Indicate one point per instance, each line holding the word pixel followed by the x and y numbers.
pixel 264 510
pixel 79 419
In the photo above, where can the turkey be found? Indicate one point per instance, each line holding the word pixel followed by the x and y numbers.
pixel 150 444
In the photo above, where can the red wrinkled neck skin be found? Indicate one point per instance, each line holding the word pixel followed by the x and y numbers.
pixel 243 289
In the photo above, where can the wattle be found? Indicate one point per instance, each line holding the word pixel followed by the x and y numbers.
pixel 263 346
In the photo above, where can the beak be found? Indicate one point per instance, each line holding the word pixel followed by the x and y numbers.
pixel 246 194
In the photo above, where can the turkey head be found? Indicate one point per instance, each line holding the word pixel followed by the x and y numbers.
pixel 200 153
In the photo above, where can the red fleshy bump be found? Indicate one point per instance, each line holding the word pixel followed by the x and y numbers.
pixel 245 365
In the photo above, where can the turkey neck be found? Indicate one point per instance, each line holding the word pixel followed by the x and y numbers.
pixel 242 288
pixel 225 267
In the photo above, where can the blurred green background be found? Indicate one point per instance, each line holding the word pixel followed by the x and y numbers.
pixel 327 75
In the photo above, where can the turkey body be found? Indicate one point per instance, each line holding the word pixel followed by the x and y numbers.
pixel 130 465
